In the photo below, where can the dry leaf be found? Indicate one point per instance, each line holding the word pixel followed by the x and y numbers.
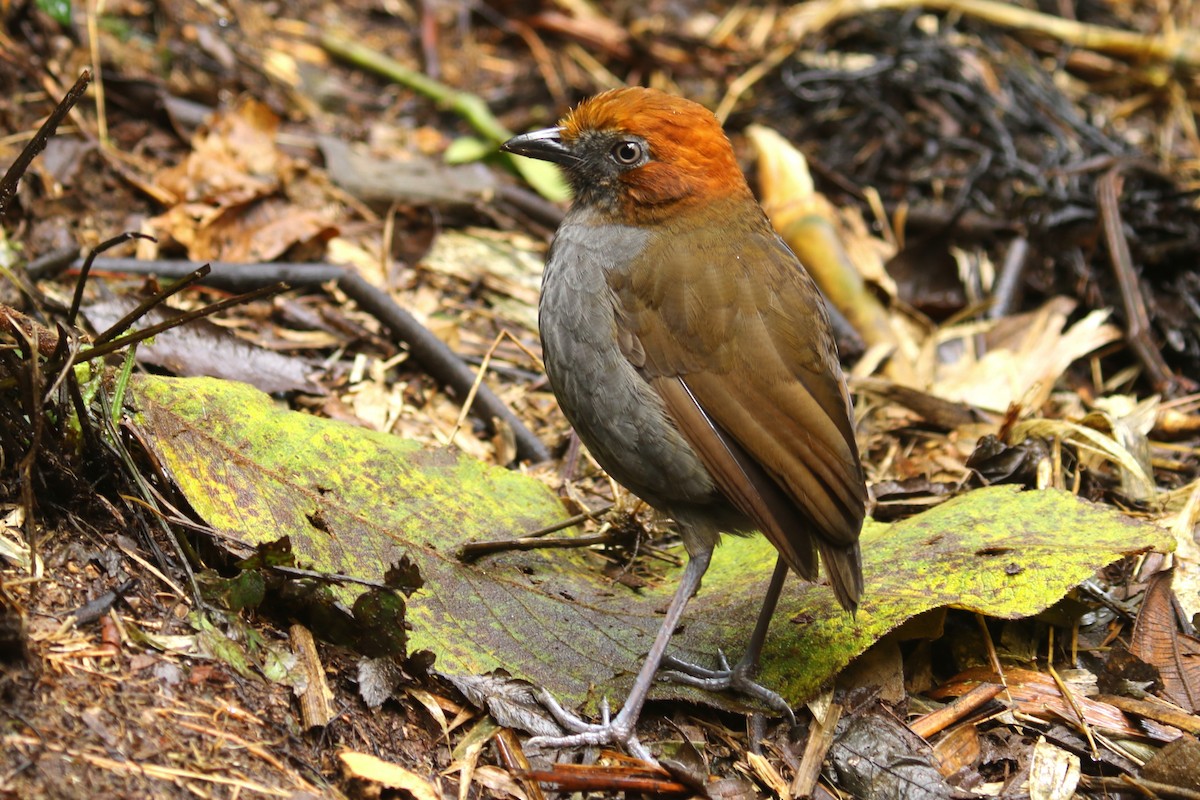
pixel 1158 641
pixel 1053 772
pixel 1026 355
pixel 394 776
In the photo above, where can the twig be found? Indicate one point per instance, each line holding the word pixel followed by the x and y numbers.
pixel 508 748
pixel 944 717
pixel 469 106
pixel 1069 696
pixel 432 353
pixel 335 578
pixel 119 343
pixel 32 389
pixel 473 550
pixel 609 780
pixel 1179 50
pixel 94 10
pixel 315 708
pixel 820 738
pixel 476 549
pixel 77 298
pixel 478 382
pixel 1155 709
pixel 117 443
pixel 946 414
pixel 1126 784
pixel 993 657
pixel 1007 289
pixel 1137 322
pixel 8 184
pixel 53 263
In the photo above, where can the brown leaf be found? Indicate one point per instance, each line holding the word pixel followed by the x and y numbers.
pixel 238 197
pixel 1037 695
pixel 259 231
pixel 1177 764
pixel 1158 640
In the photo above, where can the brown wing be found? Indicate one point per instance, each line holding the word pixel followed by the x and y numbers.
pixel 744 359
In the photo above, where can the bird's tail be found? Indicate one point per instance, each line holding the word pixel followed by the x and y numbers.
pixel 844 566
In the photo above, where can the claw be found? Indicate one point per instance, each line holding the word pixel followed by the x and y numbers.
pixel 619 730
pixel 564 718
pixel 679 671
pixel 724 679
pixel 616 731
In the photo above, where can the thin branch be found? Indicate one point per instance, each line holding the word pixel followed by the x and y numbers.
pixel 442 363
pixel 1181 51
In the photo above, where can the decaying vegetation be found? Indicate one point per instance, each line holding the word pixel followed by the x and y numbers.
pixel 1000 200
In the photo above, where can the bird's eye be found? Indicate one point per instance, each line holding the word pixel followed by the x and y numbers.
pixel 627 153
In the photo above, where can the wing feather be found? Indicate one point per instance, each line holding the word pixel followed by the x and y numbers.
pixel 746 364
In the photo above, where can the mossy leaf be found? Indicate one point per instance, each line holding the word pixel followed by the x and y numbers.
pixel 356 502
pixel 998 551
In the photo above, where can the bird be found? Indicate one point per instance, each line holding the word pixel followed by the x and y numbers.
pixel 693 355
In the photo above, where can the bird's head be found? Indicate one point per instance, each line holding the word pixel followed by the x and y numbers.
pixel 639 155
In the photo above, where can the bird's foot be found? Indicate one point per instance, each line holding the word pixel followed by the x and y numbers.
pixel 618 730
pixel 738 678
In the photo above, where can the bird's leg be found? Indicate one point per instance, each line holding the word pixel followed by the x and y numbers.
pixel 740 677
pixel 620 729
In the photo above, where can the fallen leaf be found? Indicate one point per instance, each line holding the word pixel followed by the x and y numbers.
pixel 1053 772
pixel 1025 356
pixel 1158 640
pixel 203 348
pixel 394 776
pixel 1176 764
pixel 238 197
pixel 353 501
pixel 1036 694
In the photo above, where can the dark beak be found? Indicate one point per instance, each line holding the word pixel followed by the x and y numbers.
pixel 546 145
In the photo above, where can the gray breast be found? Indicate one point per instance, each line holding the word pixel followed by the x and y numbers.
pixel 616 413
